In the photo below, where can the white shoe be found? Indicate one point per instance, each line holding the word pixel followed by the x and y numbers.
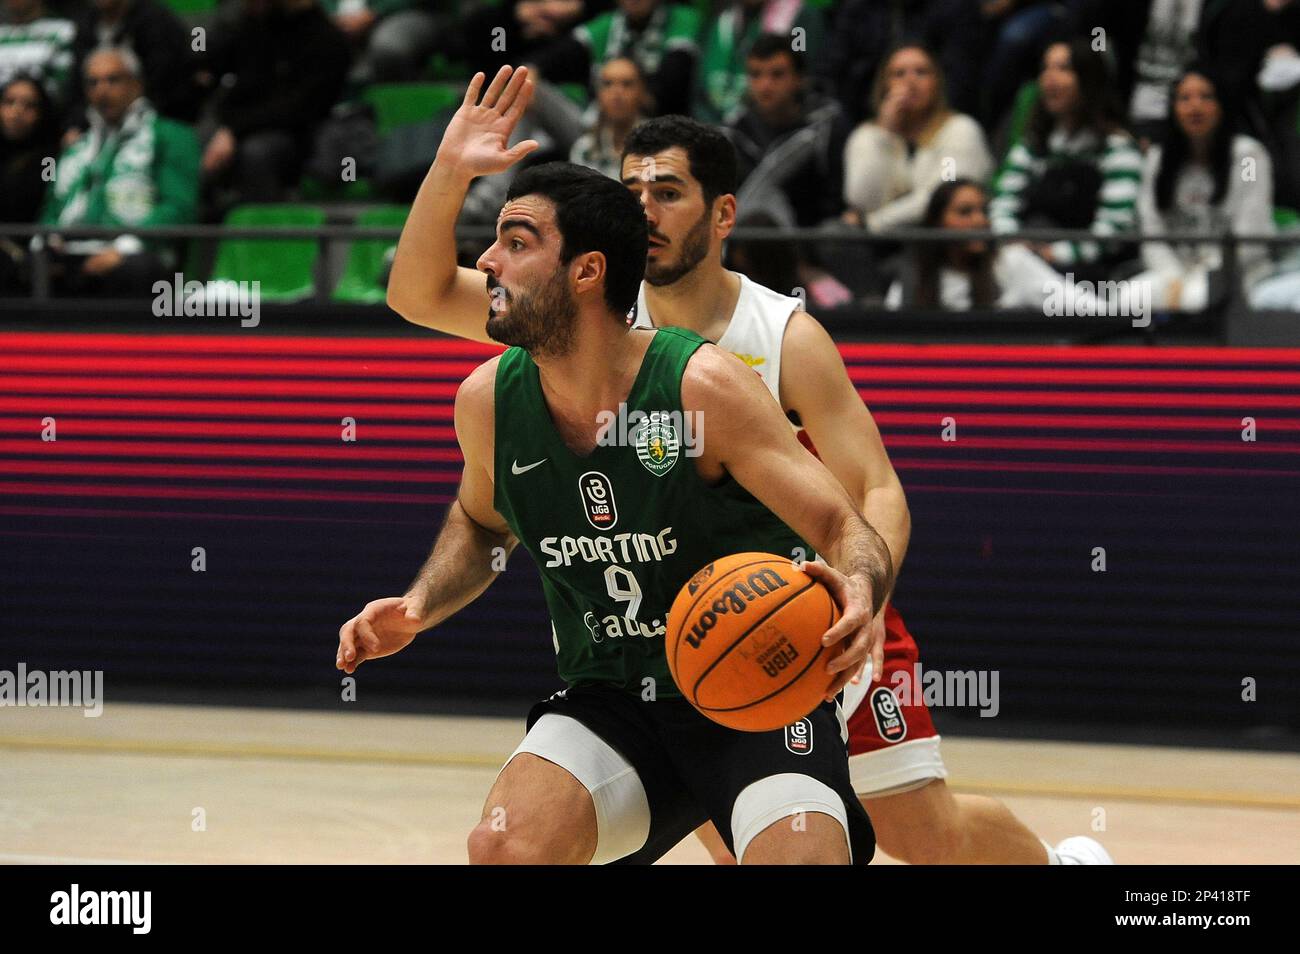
pixel 1081 850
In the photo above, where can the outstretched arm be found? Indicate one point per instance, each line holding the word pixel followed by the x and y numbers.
pixel 843 431
pixel 426 285
pixel 747 436
pixel 460 567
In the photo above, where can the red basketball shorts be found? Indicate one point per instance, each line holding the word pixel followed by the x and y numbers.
pixel 893 746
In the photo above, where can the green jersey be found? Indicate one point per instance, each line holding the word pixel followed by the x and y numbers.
pixel 616 534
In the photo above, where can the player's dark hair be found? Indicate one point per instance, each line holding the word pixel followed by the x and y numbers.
pixel 768 45
pixel 711 155
pixel 593 213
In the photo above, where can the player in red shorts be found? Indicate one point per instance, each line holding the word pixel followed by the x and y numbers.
pixel 894 758
pixel 684 172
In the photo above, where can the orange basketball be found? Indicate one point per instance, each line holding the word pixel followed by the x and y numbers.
pixel 744 641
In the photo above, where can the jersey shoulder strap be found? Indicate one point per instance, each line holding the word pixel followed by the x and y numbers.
pixel 757 330
pixel 521 424
pixel 667 357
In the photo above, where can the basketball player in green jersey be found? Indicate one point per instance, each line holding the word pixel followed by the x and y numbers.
pixel 618 766
pixel 918 819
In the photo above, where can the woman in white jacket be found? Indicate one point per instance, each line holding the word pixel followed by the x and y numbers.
pixel 893 163
pixel 1202 178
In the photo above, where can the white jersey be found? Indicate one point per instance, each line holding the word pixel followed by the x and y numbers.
pixel 755 332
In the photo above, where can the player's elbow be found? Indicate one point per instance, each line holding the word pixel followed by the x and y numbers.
pixel 903 511
pixel 404 306
pixel 393 298
pixel 891 495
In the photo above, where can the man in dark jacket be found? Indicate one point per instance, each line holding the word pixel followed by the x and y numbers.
pixel 790 151
pixel 278 71
pixel 787 139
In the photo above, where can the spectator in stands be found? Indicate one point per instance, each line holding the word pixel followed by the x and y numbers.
pixel 1075 166
pixel 36 42
pixel 1203 178
pixel 29 134
pixel 1238 37
pixel 662 37
pixel 622 101
pixel 29 137
pixel 133 168
pixel 861 35
pixel 491 36
pixel 998 41
pixel 985 47
pixel 280 69
pixel 720 89
pixel 892 164
pixel 161 42
pixel 789 141
pixel 790 152
pixel 1150 42
pixel 1278 82
pixel 392 37
pixel 959 276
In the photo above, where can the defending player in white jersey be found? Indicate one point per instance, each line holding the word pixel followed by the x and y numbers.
pixel 684 174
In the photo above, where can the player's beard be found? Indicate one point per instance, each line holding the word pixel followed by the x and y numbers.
pixel 694 246
pixel 541 322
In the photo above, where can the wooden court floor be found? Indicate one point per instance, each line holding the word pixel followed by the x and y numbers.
pixel 152 783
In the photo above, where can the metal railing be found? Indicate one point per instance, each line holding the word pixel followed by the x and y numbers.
pixel 328 235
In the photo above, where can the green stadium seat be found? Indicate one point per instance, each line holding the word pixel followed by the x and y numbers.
pixel 311 189
pixel 284 267
pixel 360 282
pixel 189 8
pixel 399 104
pixel 443 69
pixel 193 256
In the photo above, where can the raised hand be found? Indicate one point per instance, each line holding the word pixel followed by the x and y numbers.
pixel 476 138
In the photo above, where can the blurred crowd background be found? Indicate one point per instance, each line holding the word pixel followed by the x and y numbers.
pixel 1114 118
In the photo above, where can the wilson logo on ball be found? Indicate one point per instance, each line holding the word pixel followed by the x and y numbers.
pixel 735 600
pixel 743 642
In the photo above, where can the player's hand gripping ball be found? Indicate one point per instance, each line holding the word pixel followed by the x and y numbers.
pixel 744 641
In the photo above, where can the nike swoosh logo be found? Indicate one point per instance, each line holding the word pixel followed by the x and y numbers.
pixel 517 470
